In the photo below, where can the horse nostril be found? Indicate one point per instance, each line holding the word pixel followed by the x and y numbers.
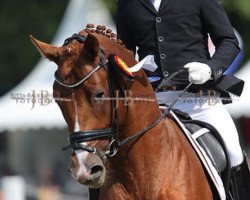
pixel 95 169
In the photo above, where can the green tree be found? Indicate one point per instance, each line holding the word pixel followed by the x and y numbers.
pixel 241 7
pixel 111 4
pixel 18 19
pixel 238 11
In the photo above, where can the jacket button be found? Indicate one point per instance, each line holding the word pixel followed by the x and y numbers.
pixel 160 39
pixel 158 19
pixel 163 56
pixel 165 73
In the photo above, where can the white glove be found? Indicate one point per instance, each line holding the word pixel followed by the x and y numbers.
pixel 199 73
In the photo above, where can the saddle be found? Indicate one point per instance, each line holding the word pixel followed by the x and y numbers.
pixel 210 149
pixel 208 138
pixel 236 180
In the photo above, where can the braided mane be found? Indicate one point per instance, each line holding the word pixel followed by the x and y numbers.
pixel 100 29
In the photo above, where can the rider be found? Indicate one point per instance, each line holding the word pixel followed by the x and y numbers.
pixel 176 33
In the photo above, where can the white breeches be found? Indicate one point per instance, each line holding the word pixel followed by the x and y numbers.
pixel 208 109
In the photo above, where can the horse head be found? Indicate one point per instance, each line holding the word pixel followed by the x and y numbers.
pixel 84 77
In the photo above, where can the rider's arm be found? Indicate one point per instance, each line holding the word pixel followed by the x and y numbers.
pixel 216 23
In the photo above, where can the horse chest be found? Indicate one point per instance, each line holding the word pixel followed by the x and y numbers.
pixel 119 191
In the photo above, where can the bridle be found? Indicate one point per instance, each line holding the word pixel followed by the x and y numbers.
pixel 76 139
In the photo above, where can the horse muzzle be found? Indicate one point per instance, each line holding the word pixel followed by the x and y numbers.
pixel 88 169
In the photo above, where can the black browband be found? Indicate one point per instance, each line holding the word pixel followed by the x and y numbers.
pixel 76 36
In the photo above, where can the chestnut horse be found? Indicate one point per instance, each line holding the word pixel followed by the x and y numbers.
pixel 129 150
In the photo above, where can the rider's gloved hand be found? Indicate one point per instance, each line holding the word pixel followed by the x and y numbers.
pixel 199 73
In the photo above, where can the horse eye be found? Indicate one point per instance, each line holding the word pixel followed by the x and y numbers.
pixel 99 95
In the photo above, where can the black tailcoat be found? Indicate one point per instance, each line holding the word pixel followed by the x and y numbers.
pixel 177 34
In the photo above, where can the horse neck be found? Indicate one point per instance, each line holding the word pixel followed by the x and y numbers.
pixel 143 166
pixel 138 154
pixel 143 109
pixel 141 112
pixel 157 153
pixel 141 90
pixel 147 165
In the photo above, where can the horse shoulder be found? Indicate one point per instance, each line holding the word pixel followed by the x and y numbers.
pixel 188 180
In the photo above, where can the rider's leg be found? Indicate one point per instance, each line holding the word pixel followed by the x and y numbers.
pixel 211 110
pixel 215 113
pixel 240 182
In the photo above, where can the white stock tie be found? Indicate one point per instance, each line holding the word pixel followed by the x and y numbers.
pixel 156 4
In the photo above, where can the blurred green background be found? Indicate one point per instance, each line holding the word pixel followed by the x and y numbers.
pixel 19 18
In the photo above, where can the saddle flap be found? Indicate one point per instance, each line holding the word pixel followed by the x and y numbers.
pixel 210 144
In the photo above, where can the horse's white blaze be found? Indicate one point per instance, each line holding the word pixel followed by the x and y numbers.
pixel 81 158
pixel 77 125
pixel 80 154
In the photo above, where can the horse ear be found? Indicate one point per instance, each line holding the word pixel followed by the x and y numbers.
pixel 91 47
pixel 46 50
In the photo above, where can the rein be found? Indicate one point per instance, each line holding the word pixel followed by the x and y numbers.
pixel 76 139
